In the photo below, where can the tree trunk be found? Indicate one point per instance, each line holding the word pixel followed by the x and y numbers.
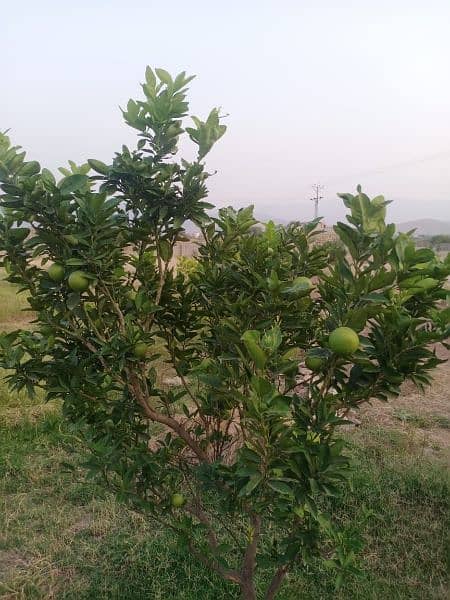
pixel 275 584
pixel 248 591
pixel 248 566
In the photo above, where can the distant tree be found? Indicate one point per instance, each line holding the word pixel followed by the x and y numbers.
pixel 437 240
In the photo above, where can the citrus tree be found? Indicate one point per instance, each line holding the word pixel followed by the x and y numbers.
pixel 211 399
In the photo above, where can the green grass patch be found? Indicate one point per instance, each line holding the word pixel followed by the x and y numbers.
pixel 422 421
pixel 64 537
pixel 14 306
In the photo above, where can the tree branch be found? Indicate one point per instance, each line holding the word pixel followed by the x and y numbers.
pixel 170 422
pixel 229 575
pixel 249 562
pixel 276 582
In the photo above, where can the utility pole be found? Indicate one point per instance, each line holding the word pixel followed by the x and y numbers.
pixel 317 189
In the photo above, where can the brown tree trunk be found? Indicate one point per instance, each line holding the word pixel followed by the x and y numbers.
pixel 247 590
pixel 275 584
pixel 248 566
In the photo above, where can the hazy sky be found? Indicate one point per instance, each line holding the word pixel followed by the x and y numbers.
pixel 334 91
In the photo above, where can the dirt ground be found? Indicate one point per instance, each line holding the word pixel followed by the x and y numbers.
pixel 423 415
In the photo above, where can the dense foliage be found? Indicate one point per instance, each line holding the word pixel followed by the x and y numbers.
pixel 239 455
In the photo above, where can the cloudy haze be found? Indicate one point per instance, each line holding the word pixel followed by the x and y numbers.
pixel 337 92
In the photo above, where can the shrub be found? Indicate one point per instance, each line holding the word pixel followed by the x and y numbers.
pixel 186 265
pixel 241 459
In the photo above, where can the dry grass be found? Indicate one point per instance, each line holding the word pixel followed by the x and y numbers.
pixel 14 307
pixel 423 415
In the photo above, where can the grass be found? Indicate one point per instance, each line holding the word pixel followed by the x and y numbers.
pixel 64 537
pixel 422 421
pixel 13 307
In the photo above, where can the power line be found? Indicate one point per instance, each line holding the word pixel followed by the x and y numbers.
pixel 390 167
pixel 317 189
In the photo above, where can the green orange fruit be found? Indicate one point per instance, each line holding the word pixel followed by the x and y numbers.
pixel 314 363
pixel 316 359
pixel 177 500
pixel 343 341
pixel 56 272
pixel 78 282
pixel 140 350
pixel 301 286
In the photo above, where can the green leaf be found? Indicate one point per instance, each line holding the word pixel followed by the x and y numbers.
pixel 251 341
pixel 150 79
pixel 164 76
pixel 165 250
pixel 251 484
pixel 48 177
pixel 98 166
pixel 272 339
pixel 281 487
pixel 381 279
pixel 357 318
pixel 71 239
pixel 73 301
pixel 30 168
pixel 375 298
pixel 73 183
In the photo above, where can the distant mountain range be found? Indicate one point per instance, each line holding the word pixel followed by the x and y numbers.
pixel 426 227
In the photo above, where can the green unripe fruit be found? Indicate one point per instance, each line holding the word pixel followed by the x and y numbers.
pixel 131 295
pixel 316 359
pixel 314 363
pixel 56 272
pixel 343 341
pixel 78 282
pixel 140 350
pixel 304 285
pixel 178 500
pixel 301 286
pixel 109 423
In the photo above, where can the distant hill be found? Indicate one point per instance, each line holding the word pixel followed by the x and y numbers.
pixel 426 226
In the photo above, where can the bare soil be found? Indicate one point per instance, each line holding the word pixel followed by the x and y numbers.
pixel 423 415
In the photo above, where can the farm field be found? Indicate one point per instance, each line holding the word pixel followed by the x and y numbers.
pixel 64 537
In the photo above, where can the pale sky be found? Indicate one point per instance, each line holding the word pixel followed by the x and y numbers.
pixel 336 91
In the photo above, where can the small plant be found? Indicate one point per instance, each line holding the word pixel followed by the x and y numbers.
pixel 186 265
pixel 243 459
